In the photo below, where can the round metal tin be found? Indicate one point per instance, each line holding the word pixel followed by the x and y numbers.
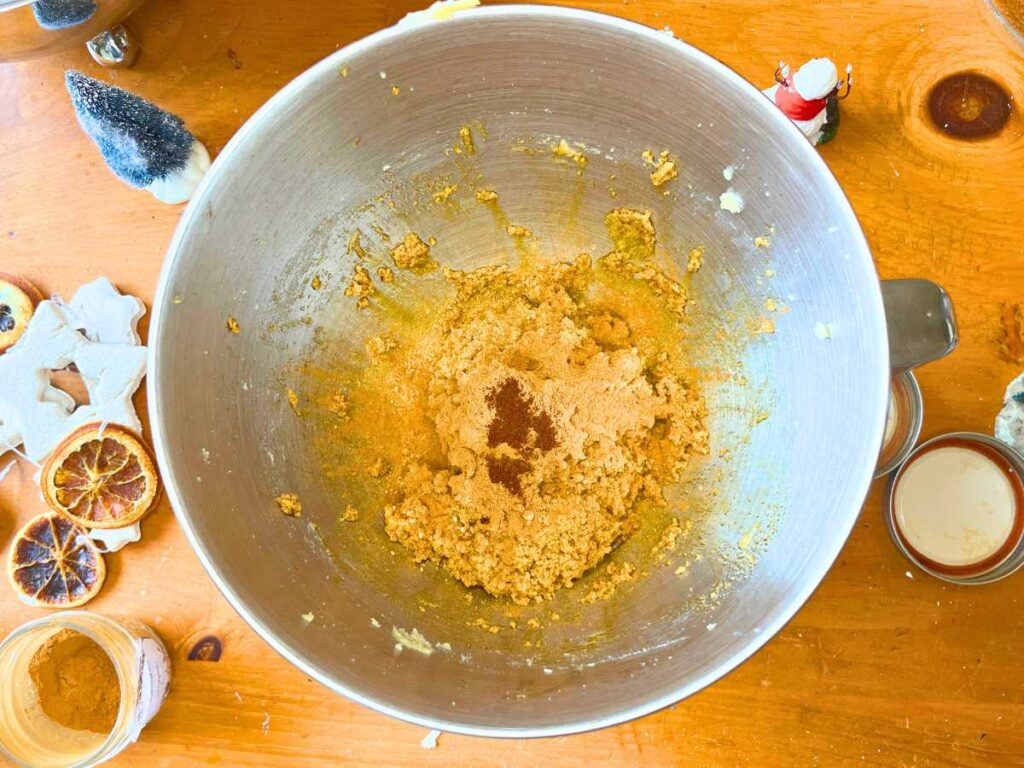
pixel 1011 558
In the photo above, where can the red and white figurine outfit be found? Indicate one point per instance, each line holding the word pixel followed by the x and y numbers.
pixel 804 96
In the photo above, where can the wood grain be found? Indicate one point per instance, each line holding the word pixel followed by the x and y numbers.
pixel 878 669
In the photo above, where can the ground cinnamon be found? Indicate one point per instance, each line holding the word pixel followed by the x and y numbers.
pixel 519 424
pixel 76 682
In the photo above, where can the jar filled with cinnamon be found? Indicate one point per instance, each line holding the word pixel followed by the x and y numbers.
pixel 77 688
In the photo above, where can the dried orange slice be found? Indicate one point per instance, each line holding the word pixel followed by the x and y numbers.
pixel 54 564
pixel 18 299
pixel 99 480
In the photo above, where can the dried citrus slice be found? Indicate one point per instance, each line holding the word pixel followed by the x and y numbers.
pixel 100 480
pixel 54 564
pixel 18 299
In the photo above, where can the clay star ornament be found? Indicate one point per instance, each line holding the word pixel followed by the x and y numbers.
pixel 34 412
pixel 103 314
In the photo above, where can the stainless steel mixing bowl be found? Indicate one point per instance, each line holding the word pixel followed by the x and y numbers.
pixel 278 207
pixel 28 29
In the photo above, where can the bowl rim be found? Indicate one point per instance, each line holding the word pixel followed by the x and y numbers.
pixel 10 5
pixel 163 295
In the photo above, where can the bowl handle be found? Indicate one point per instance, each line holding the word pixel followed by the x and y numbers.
pixel 922 327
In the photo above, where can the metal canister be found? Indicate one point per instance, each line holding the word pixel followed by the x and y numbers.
pixel 902 422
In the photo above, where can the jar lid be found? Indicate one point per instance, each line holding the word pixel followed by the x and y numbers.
pixel 902 423
pixel 955 508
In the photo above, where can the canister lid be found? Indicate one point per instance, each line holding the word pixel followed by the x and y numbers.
pixel 956 508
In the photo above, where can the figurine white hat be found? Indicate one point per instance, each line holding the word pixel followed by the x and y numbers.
pixel 816 79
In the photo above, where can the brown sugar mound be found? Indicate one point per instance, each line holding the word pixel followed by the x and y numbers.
pixel 557 420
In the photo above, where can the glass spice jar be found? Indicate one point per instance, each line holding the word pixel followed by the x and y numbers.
pixel 28 737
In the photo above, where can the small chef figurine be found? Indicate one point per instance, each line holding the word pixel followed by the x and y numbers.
pixel 810 98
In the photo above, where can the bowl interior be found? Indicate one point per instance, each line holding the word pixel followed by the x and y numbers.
pixel 796 415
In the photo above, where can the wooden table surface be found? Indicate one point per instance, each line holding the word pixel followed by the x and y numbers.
pixel 884 665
